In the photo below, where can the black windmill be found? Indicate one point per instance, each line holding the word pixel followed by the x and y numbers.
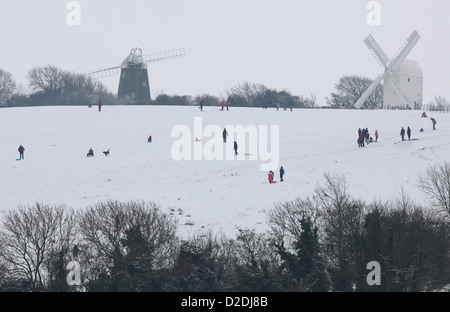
pixel 134 87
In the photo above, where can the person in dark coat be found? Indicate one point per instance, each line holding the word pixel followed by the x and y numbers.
pixel 367 135
pixel 90 153
pixel 224 135
pixel 402 134
pixel 149 139
pixel 433 121
pixel 100 105
pixel 281 173
pixel 201 106
pixel 408 132
pixel 235 148
pixel 21 150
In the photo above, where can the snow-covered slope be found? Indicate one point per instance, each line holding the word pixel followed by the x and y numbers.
pixel 221 194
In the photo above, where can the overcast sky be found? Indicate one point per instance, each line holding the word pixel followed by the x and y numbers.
pixel 300 46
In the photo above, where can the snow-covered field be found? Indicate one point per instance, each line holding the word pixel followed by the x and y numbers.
pixel 220 195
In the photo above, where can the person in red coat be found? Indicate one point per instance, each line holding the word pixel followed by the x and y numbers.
pixel 222 104
pixel 99 105
pixel 376 135
pixel 270 176
pixel 228 104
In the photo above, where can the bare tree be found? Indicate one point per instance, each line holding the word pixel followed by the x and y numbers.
pixel 435 183
pixel 108 227
pixel 343 219
pixel 248 91
pixel 439 103
pixel 284 219
pixel 7 87
pixel 204 263
pixel 208 100
pixel 46 78
pixel 32 237
pixel 350 89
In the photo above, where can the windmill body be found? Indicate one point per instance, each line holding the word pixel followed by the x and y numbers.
pixel 402 78
pixel 133 85
pixel 410 78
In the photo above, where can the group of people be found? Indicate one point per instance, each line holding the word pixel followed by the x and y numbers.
pixel 223 104
pixel 99 104
pixel 408 133
pixel 408 130
pixel 272 175
pixel 225 135
pixel 364 137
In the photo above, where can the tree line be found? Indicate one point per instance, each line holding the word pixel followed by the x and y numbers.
pixel 50 85
pixel 319 243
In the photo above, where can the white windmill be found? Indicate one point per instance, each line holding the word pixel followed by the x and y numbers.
pixel 402 79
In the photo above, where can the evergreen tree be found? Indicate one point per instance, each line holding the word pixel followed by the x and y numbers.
pixel 306 265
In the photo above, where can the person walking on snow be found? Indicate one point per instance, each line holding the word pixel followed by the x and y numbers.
pixel 228 104
pixel 235 148
pixel 21 150
pixel 149 139
pixel 402 134
pixel 433 121
pixel 201 106
pixel 376 135
pixel 222 104
pixel 281 173
pixel 270 177
pixel 100 105
pixel 224 135
pixel 408 132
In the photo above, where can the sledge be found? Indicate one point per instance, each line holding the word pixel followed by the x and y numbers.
pixel 18 159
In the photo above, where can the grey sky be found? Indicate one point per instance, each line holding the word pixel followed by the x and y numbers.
pixel 300 46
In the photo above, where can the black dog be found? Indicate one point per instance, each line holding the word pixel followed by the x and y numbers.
pixel 106 153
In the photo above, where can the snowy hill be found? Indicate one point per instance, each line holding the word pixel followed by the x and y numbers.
pixel 219 194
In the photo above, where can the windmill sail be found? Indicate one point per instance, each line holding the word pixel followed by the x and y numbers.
pixel 369 91
pixel 404 50
pixel 392 71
